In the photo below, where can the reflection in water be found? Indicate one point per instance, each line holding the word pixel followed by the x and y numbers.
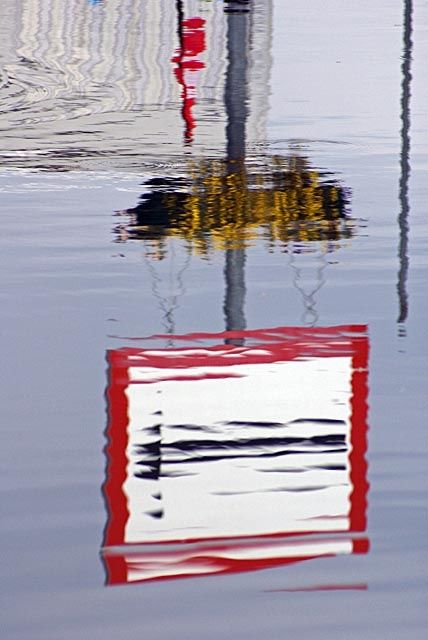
pixel 225 203
pixel 168 303
pixel 228 203
pixel 235 291
pixel 109 85
pixel 232 458
pixel 322 587
pixel 403 218
pixel 310 314
pixel 191 37
pixel 279 199
pixel 236 89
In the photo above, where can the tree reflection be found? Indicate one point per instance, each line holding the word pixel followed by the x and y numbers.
pixel 279 199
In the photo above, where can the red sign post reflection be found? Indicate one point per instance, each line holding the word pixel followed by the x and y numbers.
pixel 191 44
pixel 230 458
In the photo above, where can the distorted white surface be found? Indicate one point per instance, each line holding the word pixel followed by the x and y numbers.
pixel 152 565
pixel 219 483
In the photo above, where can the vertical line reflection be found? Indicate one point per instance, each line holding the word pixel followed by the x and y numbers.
pixel 235 99
pixel 403 217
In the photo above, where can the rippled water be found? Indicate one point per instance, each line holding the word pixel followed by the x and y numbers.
pixel 213 318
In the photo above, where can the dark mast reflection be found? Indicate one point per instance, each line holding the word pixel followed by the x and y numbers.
pixel 403 218
pixel 236 109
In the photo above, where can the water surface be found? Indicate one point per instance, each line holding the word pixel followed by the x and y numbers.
pixel 213 318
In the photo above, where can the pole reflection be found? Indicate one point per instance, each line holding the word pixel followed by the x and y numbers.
pixel 403 218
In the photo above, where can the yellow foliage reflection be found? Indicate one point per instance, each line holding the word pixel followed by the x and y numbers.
pixel 226 205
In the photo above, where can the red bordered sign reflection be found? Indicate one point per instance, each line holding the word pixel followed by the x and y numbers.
pixel 235 452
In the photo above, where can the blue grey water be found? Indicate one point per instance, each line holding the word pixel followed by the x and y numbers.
pixel 103 106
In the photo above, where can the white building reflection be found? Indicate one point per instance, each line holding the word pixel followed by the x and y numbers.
pixel 77 60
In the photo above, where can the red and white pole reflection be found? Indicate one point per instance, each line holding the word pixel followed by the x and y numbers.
pixel 191 38
pixel 225 458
